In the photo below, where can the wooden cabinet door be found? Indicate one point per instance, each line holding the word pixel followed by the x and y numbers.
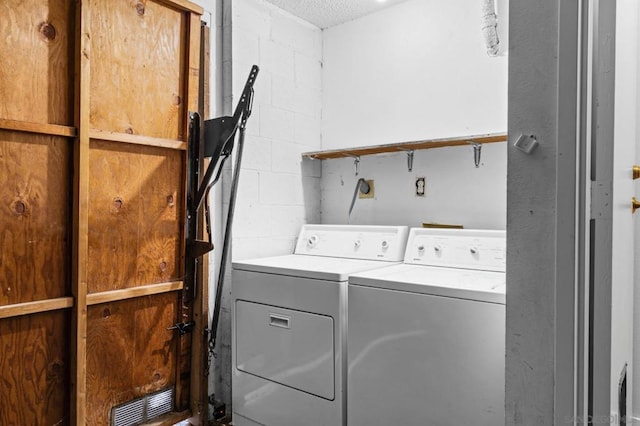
pixel 94 100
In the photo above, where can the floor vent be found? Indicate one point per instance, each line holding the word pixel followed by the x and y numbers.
pixel 143 409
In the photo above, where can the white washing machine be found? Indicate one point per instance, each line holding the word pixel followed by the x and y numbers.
pixel 289 323
pixel 426 339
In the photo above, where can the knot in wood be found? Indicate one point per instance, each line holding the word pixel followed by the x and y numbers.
pixel 47 31
pixel 19 207
pixel 118 203
pixel 140 8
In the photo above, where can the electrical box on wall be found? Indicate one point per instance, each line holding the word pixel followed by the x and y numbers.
pixel 421 186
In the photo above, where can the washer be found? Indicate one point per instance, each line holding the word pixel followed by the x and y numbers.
pixel 426 339
pixel 289 324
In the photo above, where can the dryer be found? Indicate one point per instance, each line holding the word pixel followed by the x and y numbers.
pixel 289 324
pixel 426 339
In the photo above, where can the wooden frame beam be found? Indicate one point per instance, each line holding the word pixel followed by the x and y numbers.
pixel 81 214
pixel 130 293
pixel 18 309
pixel 41 128
pixel 184 5
pixel 137 139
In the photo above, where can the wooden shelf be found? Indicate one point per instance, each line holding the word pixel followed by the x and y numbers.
pixel 405 146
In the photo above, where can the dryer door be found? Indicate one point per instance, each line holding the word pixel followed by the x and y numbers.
pixel 289 347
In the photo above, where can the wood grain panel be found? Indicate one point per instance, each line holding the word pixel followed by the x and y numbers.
pixel 135 218
pixel 35 200
pixel 37 61
pixel 136 68
pixel 130 353
pixel 34 369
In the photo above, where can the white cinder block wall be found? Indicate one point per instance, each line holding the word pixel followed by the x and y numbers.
pixel 415 71
pixel 278 191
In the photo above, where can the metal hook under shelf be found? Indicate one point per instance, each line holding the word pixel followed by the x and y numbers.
pixel 477 152
pixel 410 160
pixel 356 163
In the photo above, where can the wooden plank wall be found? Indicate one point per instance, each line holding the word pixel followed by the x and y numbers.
pixel 92 159
pixel 139 88
pixel 35 210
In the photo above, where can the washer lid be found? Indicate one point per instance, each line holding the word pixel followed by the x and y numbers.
pixel 317 267
pixel 485 286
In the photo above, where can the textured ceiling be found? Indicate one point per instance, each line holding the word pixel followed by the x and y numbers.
pixel 327 13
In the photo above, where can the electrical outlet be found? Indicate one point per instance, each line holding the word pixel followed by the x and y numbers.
pixel 421 186
pixel 369 194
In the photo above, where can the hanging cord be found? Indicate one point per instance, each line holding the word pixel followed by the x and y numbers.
pixel 363 186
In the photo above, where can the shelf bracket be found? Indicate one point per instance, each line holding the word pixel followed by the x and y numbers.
pixel 477 152
pixel 356 164
pixel 410 160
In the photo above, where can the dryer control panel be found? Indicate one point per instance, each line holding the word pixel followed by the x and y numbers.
pixel 386 243
pixel 457 248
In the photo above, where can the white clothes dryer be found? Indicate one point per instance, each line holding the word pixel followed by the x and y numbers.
pixel 289 324
pixel 426 338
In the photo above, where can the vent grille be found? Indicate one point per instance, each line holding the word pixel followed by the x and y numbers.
pixel 129 414
pixel 143 409
pixel 159 403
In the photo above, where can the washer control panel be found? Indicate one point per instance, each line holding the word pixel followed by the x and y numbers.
pixel 386 243
pixel 457 248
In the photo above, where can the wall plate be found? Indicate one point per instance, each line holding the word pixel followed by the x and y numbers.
pixel 421 186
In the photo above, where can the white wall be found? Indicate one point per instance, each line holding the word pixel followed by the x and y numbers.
pixel 456 191
pixel 541 218
pixel 415 71
pixel 278 192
